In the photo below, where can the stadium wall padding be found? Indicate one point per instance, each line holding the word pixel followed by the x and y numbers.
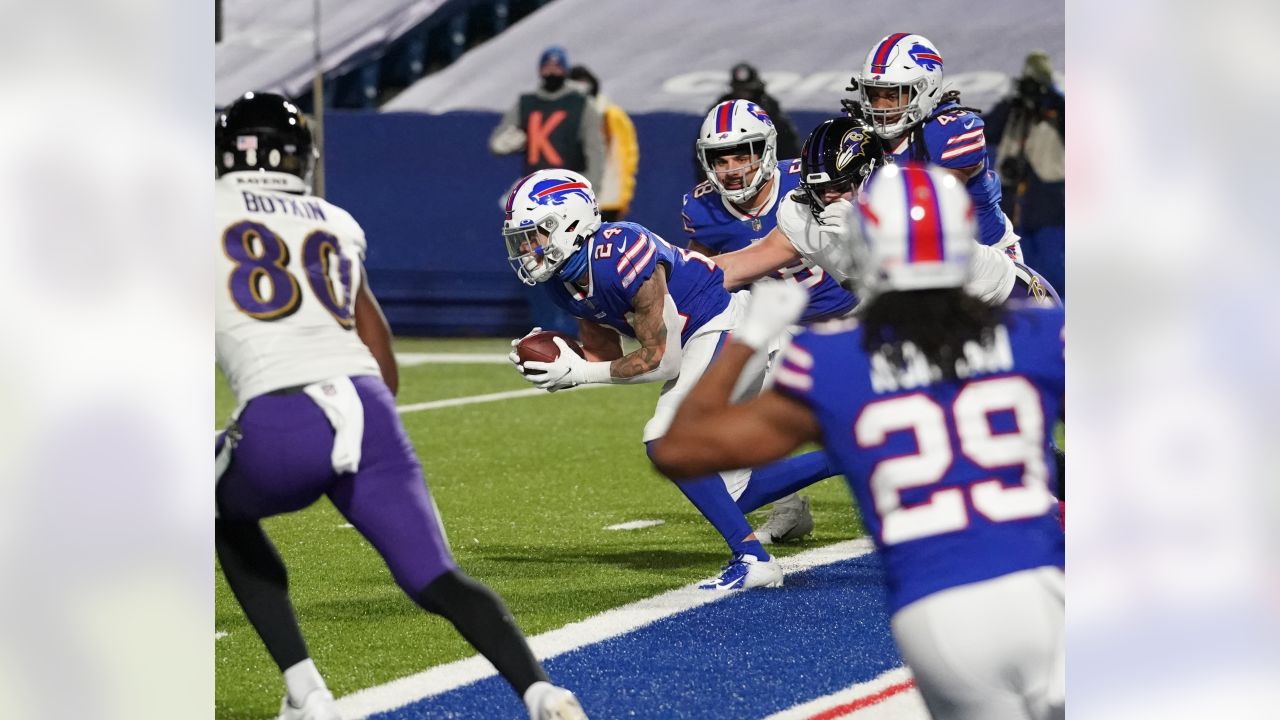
pixel 428 194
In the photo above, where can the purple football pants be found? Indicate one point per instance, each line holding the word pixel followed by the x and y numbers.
pixel 282 464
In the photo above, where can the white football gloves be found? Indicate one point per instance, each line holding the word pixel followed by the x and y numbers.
pixel 566 371
pixel 838 224
pixel 514 357
pixel 511 139
pixel 775 305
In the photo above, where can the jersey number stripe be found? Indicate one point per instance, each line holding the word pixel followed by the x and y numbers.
pixel 945 509
pixel 261 285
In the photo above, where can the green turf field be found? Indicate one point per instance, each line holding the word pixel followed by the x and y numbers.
pixel 525 487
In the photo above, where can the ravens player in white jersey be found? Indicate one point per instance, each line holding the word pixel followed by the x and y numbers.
pixel 308 353
pixel 936 407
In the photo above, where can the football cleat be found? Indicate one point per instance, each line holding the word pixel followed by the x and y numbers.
pixel 745 572
pixel 555 703
pixel 318 705
pixel 789 520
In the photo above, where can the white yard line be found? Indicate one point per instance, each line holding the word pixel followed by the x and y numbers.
pixel 597 628
pixel 409 359
pixel 635 525
pixel 491 397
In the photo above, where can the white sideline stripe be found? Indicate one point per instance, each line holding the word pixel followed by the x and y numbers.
pixel 473 399
pixel 491 397
pixel 906 705
pixel 410 359
pixel 635 525
pixel 611 623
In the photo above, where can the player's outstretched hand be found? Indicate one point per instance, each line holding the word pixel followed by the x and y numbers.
pixel 775 305
pixel 514 357
pixel 567 370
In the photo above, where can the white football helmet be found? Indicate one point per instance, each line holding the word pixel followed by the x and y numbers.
pixel 731 124
pixel 549 216
pixel 917 230
pixel 911 67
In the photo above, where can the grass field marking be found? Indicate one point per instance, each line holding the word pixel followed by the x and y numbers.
pixel 891 696
pixel 635 525
pixel 220 634
pixel 490 397
pixel 594 629
pixel 410 359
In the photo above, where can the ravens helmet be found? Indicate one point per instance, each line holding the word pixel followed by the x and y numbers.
pixel 264 132
pixel 838 155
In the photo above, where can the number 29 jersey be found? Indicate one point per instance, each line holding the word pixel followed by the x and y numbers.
pixel 953 478
pixel 288 270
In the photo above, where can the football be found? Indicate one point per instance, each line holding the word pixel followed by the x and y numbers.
pixel 541 346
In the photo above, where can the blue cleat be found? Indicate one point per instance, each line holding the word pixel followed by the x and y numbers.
pixel 745 572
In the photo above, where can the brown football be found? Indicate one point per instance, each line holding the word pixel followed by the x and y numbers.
pixel 541 346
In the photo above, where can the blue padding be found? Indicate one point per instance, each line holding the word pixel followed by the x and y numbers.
pixel 750 655
pixel 428 192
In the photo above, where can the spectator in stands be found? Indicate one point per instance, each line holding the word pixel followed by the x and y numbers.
pixel 1028 128
pixel 622 151
pixel 557 127
pixel 745 84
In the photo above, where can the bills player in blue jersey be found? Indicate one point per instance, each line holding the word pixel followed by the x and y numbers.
pixel 900 94
pixel 736 207
pixel 937 408
pixel 307 351
pixel 623 279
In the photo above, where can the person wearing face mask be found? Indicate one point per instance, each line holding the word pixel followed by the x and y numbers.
pixel 555 126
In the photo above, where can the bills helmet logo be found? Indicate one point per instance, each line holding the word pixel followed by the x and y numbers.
pixel 556 191
pixel 758 113
pixel 925 57
pixel 851 146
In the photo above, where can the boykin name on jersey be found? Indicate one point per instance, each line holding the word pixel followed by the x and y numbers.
pixel 621 256
pixel 710 221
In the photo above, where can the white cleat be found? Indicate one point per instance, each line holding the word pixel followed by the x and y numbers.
pixel 548 702
pixel 789 520
pixel 745 572
pixel 318 705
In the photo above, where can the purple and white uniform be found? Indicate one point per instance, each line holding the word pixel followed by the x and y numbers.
pixel 315 416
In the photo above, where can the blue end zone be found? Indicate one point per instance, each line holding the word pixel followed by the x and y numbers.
pixel 750 655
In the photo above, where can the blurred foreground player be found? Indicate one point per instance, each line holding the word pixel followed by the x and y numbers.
pixel 308 354
pixel 936 408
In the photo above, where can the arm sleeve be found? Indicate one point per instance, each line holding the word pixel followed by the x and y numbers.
pixel 592 135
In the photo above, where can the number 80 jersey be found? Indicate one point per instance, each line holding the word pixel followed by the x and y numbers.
pixel 288 270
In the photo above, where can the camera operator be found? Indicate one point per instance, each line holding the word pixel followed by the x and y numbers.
pixel 1028 129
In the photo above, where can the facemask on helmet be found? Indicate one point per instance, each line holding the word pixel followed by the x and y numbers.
pixel 917 230
pixel 837 157
pixel 549 216
pixel 732 129
pixel 265 133
pixel 900 83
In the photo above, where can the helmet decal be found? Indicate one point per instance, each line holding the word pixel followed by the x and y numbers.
pixel 925 57
pixel 724 115
pixel 850 146
pixel 759 113
pixel 883 52
pixel 555 191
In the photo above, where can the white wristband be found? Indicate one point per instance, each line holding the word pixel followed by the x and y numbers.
pixel 597 372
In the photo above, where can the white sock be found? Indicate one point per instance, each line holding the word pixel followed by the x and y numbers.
pixel 533 694
pixel 301 680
